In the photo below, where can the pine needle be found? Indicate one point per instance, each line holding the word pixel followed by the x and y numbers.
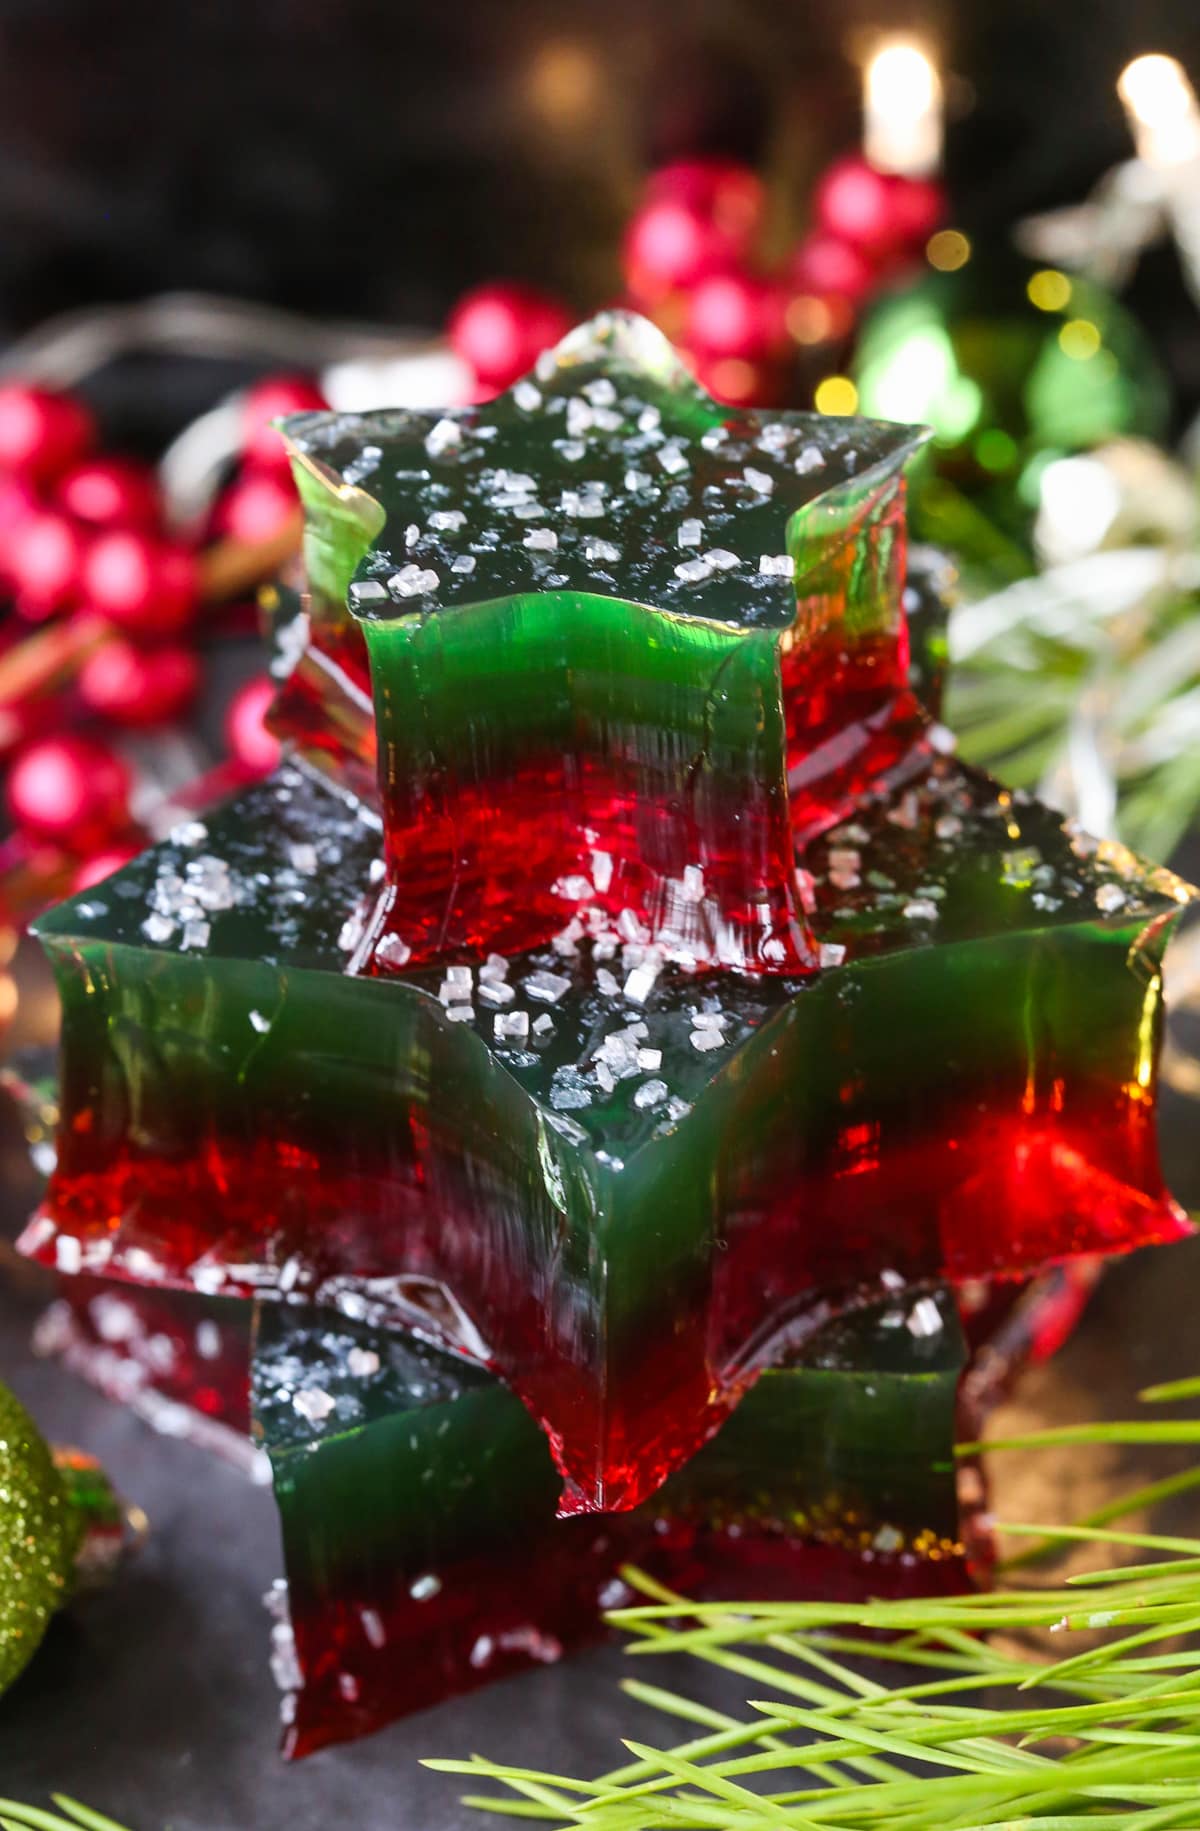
pixel 1106 1736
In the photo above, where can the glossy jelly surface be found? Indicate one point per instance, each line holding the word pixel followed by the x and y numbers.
pixel 621 1185
pixel 417 1503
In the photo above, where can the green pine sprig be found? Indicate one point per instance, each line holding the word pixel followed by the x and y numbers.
pixel 16 1817
pixel 1063 1707
pixel 1073 1704
pixel 1053 688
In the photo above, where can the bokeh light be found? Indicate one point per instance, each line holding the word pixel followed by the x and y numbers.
pixel 1049 290
pixel 835 396
pixel 948 250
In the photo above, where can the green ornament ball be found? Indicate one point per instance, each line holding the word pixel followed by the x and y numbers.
pixel 1011 366
pixel 39 1533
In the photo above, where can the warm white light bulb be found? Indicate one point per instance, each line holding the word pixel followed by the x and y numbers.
pixel 1161 105
pixel 902 110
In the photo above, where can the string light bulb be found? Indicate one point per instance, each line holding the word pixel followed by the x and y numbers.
pixel 1160 104
pixel 902 110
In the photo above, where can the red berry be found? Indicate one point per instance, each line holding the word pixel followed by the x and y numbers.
pixel 828 267
pixel 256 507
pixel 111 492
pixel 249 739
pixel 134 686
pixel 696 215
pixel 45 558
pixel 854 203
pixel 144 584
pixel 94 870
pixel 273 398
pixel 732 314
pixel 69 789
pixel 501 329
pixel 41 433
pixel 18 505
pixel 730 197
pixel 668 244
pixel 733 380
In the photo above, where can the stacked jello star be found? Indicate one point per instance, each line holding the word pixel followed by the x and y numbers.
pixel 613 1042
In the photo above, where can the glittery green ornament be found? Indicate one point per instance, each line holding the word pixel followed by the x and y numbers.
pixel 40 1531
pixel 1011 367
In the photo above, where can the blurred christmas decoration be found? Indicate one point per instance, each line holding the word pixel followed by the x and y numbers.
pixel 694 254
pixel 902 111
pixel 1076 651
pixel 108 593
pixel 1013 368
pixel 59 1522
pixel 1084 680
pixel 1143 200
pixel 116 575
pixel 500 330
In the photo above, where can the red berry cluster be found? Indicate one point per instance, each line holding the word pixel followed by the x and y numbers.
pixel 690 260
pixel 102 621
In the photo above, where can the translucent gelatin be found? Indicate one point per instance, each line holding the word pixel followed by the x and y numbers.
pixel 620 1185
pixel 610 625
pixel 180 1360
pixel 417 1502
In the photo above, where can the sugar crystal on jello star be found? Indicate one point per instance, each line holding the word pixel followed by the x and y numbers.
pixel 611 625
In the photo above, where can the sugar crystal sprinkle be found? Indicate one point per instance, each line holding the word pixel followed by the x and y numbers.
pixel 158 928
pixel 640 983
pixel 547 988
pixel 704 1040
pixel 413 581
pixel 924 1319
pixel 392 951
pixel 693 571
pixel 313 1404
pixel 443 438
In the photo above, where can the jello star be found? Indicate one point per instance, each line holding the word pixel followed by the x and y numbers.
pixel 610 623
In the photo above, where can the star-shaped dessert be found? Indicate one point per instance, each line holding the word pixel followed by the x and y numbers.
pixel 610 623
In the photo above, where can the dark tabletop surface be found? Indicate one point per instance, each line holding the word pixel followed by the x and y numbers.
pixel 153 1702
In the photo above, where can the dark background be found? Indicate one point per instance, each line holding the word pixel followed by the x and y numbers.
pixel 373 159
